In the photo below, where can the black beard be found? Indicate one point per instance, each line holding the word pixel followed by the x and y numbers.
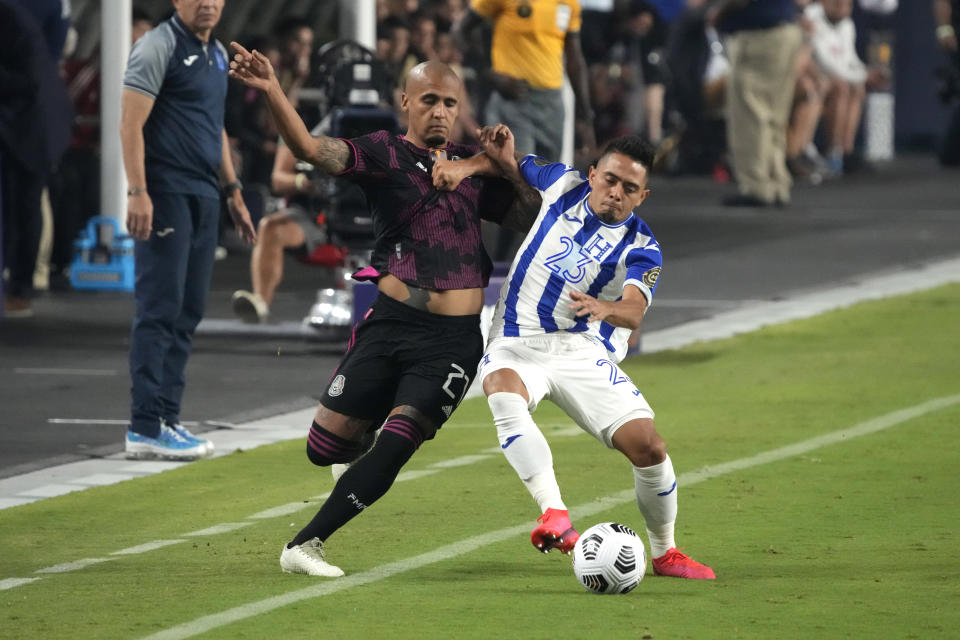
pixel 436 141
pixel 614 217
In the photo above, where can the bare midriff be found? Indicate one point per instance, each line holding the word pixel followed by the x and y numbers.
pixel 452 302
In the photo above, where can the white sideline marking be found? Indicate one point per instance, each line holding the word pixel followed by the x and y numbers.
pixel 146 546
pixel 10 583
pixel 152 466
pixel 50 371
pixel 213 621
pixel 105 422
pixel 282 510
pixel 223 527
pixel 73 566
pixel 6 503
pixel 102 479
pixel 462 461
pixel 50 490
pixel 413 475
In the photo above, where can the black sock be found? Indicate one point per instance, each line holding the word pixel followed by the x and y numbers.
pixel 360 486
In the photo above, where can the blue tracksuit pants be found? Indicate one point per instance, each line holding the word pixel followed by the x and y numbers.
pixel 173 270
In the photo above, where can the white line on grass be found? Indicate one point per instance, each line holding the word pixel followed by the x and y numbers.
pixel 281 510
pixel 213 621
pixel 10 583
pixel 147 546
pixel 73 566
pixel 223 527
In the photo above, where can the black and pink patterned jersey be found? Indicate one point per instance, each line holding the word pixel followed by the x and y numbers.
pixel 425 237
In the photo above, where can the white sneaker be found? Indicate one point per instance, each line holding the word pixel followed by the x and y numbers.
pixel 308 558
pixel 250 307
pixel 184 433
pixel 168 444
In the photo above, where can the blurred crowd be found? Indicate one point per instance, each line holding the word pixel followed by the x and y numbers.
pixel 664 69
pixel 658 68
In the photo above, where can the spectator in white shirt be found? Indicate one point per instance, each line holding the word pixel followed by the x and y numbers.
pixel 833 42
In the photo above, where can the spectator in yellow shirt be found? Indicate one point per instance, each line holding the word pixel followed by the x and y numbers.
pixel 534 42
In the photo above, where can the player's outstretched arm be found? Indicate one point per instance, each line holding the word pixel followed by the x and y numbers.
pixel 626 312
pixel 254 70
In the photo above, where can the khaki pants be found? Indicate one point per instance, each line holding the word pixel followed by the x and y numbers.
pixel 760 93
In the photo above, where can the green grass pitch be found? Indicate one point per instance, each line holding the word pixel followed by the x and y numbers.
pixel 854 539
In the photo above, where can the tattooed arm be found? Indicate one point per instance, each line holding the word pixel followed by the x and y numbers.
pixel 526 205
pixel 254 70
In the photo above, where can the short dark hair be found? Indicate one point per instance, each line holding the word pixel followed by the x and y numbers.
pixel 633 147
pixel 287 27
pixel 138 14
pixel 388 25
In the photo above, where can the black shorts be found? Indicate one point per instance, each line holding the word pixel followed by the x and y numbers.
pixel 399 355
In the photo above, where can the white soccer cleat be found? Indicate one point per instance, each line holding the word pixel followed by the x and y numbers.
pixel 250 307
pixel 308 558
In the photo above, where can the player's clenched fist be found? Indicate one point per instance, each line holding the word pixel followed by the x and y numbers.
pixel 498 144
pixel 448 174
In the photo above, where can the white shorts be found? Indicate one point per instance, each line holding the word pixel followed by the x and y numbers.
pixel 575 373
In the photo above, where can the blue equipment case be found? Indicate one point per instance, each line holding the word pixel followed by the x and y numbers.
pixel 104 257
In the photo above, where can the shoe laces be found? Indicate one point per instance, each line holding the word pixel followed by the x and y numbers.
pixel 174 434
pixel 553 514
pixel 313 551
pixel 183 431
pixel 676 555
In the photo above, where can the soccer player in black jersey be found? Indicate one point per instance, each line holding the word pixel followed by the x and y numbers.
pixel 414 353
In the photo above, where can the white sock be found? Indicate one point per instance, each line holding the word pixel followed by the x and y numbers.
pixel 656 489
pixel 526 449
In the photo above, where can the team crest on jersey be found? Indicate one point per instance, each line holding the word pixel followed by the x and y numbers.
pixel 650 277
pixel 336 387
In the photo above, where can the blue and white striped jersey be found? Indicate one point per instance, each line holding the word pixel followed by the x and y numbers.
pixel 570 248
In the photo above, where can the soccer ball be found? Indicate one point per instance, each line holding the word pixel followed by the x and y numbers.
pixel 609 558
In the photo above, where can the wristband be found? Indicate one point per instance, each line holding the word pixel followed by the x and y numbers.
pixel 230 187
pixel 945 31
pixel 135 191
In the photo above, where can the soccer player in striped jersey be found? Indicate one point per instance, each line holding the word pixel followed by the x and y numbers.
pixel 583 279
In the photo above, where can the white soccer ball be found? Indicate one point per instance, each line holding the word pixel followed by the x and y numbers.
pixel 609 558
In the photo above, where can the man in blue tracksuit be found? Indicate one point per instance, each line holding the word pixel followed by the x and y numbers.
pixel 175 152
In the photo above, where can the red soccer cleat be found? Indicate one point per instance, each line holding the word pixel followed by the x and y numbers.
pixel 554 531
pixel 679 565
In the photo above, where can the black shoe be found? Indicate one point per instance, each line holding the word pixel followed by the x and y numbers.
pixel 854 163
pixel 744 200
pixel 60 281
pixel 798 168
